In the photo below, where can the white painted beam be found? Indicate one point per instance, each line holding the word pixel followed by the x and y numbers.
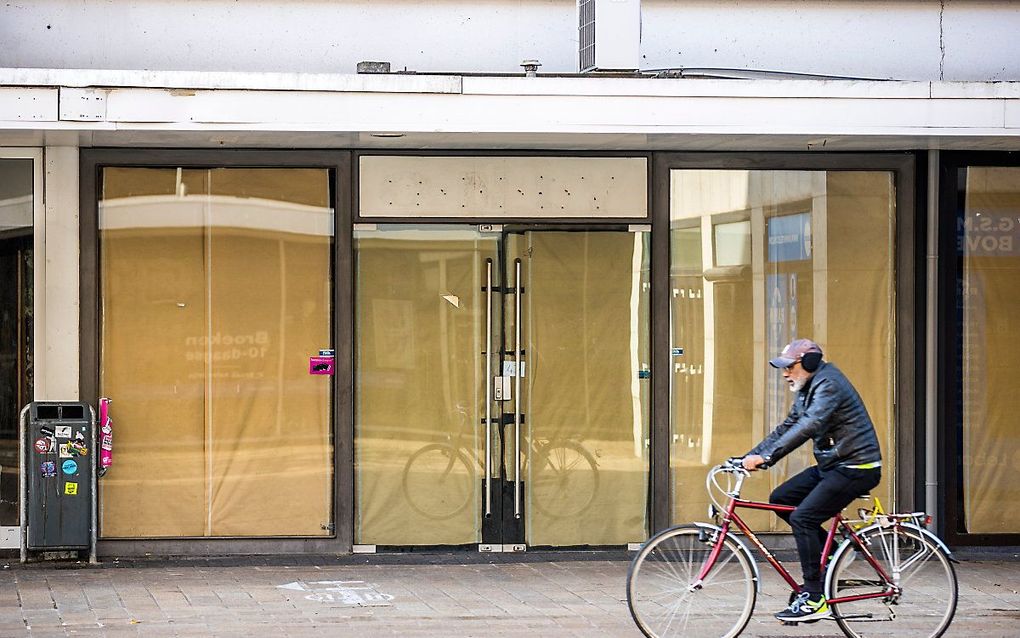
pixel 343 82
pixel 351 112
pixel 26 104
pixel 491 111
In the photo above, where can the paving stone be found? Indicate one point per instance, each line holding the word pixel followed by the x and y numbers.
pixel 583 598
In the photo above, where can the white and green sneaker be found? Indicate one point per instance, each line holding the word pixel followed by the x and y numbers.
pixel 806 607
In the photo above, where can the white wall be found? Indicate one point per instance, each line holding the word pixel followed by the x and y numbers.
pixel 314 36
pixel 900 40
pixel 910 40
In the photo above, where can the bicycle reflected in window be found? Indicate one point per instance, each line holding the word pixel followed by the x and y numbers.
pixel 438 477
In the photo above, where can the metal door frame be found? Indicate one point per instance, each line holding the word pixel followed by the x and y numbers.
pixel 951 492
pixel 10 535
pixel 499 535
pixel 908 257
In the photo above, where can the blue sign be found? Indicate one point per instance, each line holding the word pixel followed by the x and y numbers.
pixel 789 237
pixel 69 466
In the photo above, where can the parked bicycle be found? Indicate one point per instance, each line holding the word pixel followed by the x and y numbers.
pixel 893 577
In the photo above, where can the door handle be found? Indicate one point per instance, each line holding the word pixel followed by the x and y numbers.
pixel 488 387
pixel 517 388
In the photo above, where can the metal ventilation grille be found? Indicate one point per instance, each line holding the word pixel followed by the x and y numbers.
pixel 586 35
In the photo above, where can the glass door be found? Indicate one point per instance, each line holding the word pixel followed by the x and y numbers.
pixel 578 318
pixel 501 387
pixel 426 324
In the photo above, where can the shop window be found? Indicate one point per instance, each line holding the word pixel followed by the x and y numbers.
pixel 216 287
pixel 792 254
pixel 988 353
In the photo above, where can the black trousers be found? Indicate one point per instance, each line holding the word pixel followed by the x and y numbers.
pixel 818 496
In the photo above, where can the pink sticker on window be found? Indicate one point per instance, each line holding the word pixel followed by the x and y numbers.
pixel 320 365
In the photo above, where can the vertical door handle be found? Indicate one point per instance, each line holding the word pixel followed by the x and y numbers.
pixel 517 388
pixel 488 387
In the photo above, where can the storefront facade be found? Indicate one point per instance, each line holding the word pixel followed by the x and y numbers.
pixel 538 341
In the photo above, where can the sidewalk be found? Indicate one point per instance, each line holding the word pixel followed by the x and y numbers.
pixel 447 595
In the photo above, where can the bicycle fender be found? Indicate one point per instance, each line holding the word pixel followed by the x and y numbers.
pixel 923 533
pixel 741 546
pixel 835 559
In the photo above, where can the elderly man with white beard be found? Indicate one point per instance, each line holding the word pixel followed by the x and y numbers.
pixel 827 410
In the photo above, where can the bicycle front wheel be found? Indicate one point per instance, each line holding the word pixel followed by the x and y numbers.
pixel 926 601
pixel 664 598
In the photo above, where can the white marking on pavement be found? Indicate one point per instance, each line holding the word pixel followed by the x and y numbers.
pixel 346 592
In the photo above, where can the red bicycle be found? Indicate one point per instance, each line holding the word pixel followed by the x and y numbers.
pixel 890 578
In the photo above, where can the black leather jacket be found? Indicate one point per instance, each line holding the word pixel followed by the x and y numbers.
pixel 829 411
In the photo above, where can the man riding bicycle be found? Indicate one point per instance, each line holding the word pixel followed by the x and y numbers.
pixel 828 410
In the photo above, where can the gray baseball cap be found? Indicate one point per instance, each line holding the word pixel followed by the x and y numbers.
pixel 793 352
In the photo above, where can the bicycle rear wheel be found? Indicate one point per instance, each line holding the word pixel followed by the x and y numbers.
pixel 438 481
pixel 660 592
pixel 564 479
pixel 928 589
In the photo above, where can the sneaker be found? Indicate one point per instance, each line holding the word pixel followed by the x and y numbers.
pixel 806 607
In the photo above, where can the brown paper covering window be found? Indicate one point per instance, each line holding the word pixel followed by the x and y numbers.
pixel 206 331
pixel 838 291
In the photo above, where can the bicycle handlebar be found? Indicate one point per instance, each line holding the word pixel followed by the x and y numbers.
pixel 734 464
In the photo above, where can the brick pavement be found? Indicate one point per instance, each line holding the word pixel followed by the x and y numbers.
pixel 551 595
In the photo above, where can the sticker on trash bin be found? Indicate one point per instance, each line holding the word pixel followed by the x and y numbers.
pixel 48 469
pixel 63 431
pixel 77 448
pixel 71 489
pixel 44 445
pixel 65 452
pixel 69 467
pixel 346 592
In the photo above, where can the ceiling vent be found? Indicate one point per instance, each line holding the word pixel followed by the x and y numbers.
pixel 609 35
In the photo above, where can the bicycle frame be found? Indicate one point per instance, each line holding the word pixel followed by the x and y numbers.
pixel 838 523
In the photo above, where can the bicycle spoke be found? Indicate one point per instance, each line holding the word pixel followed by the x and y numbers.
pixel 660 593
pixel 565 479
pixel 926 586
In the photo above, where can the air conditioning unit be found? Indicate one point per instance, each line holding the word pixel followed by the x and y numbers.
pixel 609 35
